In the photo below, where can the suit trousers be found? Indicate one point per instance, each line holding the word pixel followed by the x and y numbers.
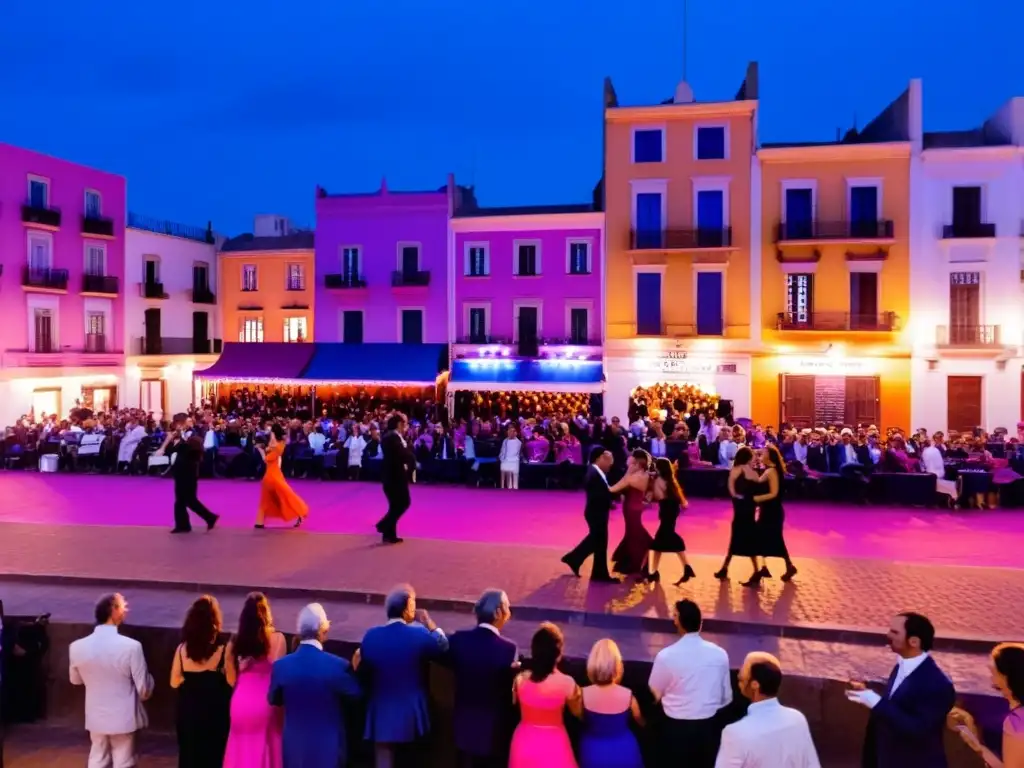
pixel 691 743
pixel 398 755
pixel 112 751
pixel 185 498
pixel 594 543
pixel 399 502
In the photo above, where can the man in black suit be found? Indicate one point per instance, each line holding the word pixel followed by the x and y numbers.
pixel 396 468
pixel 484 664
pixel 186 456
pixel 599 504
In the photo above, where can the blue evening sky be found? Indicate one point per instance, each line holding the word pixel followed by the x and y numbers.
pixel 221 110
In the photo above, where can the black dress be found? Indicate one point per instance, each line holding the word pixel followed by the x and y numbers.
pixel 770 522
pixel 204 716
pixel 665 538
pixel 745 535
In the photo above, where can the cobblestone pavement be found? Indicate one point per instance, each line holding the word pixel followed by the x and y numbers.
pixel 964 602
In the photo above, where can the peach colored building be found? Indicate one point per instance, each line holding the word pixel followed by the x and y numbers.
pixel 681 201
pixel 835 278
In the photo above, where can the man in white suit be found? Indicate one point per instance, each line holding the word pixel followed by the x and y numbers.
pixel 132 437
pixel 113 670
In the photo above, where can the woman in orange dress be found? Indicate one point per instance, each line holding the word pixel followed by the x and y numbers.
pixel 277 500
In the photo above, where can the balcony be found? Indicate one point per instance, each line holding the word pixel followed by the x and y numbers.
pixel 203 296
pixel 569 341
pixel 45 279
pixel 343 282
pixel 104 284
pixel 833 231
pixel 52 356
pixel 295 285
pixel 835 321
pixel 97 226
pixel 152 290
pixel 40 215
pixel 403 279
pixel 95 343
pixel 692 239
pixel 975 231
pixel 482 338
pixel 176 346
pixel 968 336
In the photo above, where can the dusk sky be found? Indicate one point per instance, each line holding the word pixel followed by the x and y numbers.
pixel 219 111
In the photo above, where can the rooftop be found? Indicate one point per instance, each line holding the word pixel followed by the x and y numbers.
pixel 748 91
pixel 976 137
pixel 473 211
pixel 296 241
pixel 171 228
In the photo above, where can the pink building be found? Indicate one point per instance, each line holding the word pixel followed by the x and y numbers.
pixel 528 288
pixel 381 266
pixel 62 234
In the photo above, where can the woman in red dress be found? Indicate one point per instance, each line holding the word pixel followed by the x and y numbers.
pixel 277 499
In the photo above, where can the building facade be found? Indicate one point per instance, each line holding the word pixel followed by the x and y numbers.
pixel 172 317
pixel 681 199
pixel 382 265
pixel 835 278
pixel 62 238
pixel 967 275
pixel 266 286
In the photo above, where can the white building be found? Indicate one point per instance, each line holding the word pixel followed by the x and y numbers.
pixel 967 275
pixel 171 311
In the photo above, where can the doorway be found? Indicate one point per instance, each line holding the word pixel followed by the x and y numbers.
pixel 526 324
pixel 963 403
pixel 45 402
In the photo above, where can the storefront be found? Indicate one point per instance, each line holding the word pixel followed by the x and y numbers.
pixel 963 393
pixel 39 394
pixel 513 387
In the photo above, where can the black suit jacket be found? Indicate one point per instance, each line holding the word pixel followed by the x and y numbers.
pixel 398 462
pixel 599 497
pixel 482 662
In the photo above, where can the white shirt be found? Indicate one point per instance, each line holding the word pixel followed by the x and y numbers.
pixel 356 445
pixel 210 441
pixel 492 628
pixel 602 474
pixel 113 670
pixel 315 643
pixel 903 669
pixel 770 736
pixel 691 678
pixel 727 450
pixel 316 441
pixel 851 454
pixel 931 458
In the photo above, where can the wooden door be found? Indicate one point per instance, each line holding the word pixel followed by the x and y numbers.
pixel 862 401
pixel 963 405
pixel 797 401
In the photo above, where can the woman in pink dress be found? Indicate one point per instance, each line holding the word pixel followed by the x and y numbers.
pixel 1007 667
pixel 543 693
pixel 255 737
pixel 630 557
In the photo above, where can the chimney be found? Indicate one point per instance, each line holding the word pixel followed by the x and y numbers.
pixel 915 115
pixel 383 185
pixel 610 99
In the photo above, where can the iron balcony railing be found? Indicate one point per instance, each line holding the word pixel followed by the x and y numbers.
pixel 203 295
pixel 34 213
pixel 95 343
pixel 343 281
pixel 881 229
pixel 101 226
pixel 54 279
pixel 164 227
pixel 570 341
pixel 968 231
pixel 967 335
pixel 835 321
pixel 482 338
pixel 100 284
pixel 164 345
pixel 153 290
pixel 692 238
pixel 403 278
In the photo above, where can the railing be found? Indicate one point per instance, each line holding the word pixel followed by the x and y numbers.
pixel 968 231
pixel 694 238
pixel 176 346
pixel 881 229
pixel 97 225
pixel 152 290
pixel 164 227
pixel 616 330
pixel 54 279
pixel 203 296
pixel 402 278
pixel 569 341
pixel 295 285
pixel 40 214
pixel 100 284
pixel 967 336
pixel 95 343
pixel 528 347
pixel 344 281
pixel 482 338
pixel 835 321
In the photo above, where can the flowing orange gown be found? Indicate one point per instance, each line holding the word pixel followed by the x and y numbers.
pixel 277 499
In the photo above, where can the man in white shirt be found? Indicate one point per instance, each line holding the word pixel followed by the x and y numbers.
pixel 691 680
pixel 113 670
pixel 770 735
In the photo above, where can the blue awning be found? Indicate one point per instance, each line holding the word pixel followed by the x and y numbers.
pixel 527 375
pixel 376 364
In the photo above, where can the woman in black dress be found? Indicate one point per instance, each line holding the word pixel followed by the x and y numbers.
pixel 204 695
pixel 743 540
pixel 771 517
pixel 671 501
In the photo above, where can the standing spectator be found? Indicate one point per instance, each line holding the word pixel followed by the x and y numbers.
pixel 484 663
pixel 608 709
pixel 392 668
pixel 907 724
pixel 113 670
pixel 310 684
pixel 204 695
pixel 770 735
pixel 691 680
pixel 1008 679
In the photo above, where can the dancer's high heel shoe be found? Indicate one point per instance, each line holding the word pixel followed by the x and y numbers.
pixel 722 575
pixel 688 574
pixel 259 526
pixel 654 578
pixel 298 522
pixel 754 580
pixel 764 573
pixel 790 573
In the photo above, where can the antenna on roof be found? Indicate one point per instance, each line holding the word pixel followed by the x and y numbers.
pixel 684 94
pixel 686 30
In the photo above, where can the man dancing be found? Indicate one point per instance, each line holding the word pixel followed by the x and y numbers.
pixel 596 511
pixel 186 456
pixel 396 470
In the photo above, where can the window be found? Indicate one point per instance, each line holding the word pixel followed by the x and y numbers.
pixel 528 328
pixel 710 218
pixel 965 307
pixel 249 282
pixel 95 337
pixel 350 263
pixel 477 325
pixel 527 262
pixel 352 326
pixel 200 277
pixel 294 329
pixel 296 278
pixel 648 219
pixel 38 192
pixel 40 254
pixel 579 326
pixel 151 271
pixel 44 341
pixel 967 218
pixel 710 300
pixel 95 261
pixel 579 258
pixel 711 143
pixel 478 261
pixel 648 145
pixel 799 298
pixel 93 204
pixel 648 304
pixel 412 326
pixel 251 330
pixel 864 301
pixel 799 222
pixel 410 257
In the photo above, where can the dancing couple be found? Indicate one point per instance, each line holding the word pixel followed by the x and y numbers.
pixel 758 517
pixel 637 549
pixel 277 500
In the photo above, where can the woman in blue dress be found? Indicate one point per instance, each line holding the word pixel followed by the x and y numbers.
pixel 609 710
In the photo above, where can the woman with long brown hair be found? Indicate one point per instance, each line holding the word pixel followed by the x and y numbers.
pixel 671 501
pixel 630 556
pixel 771 516
pixel 743 536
